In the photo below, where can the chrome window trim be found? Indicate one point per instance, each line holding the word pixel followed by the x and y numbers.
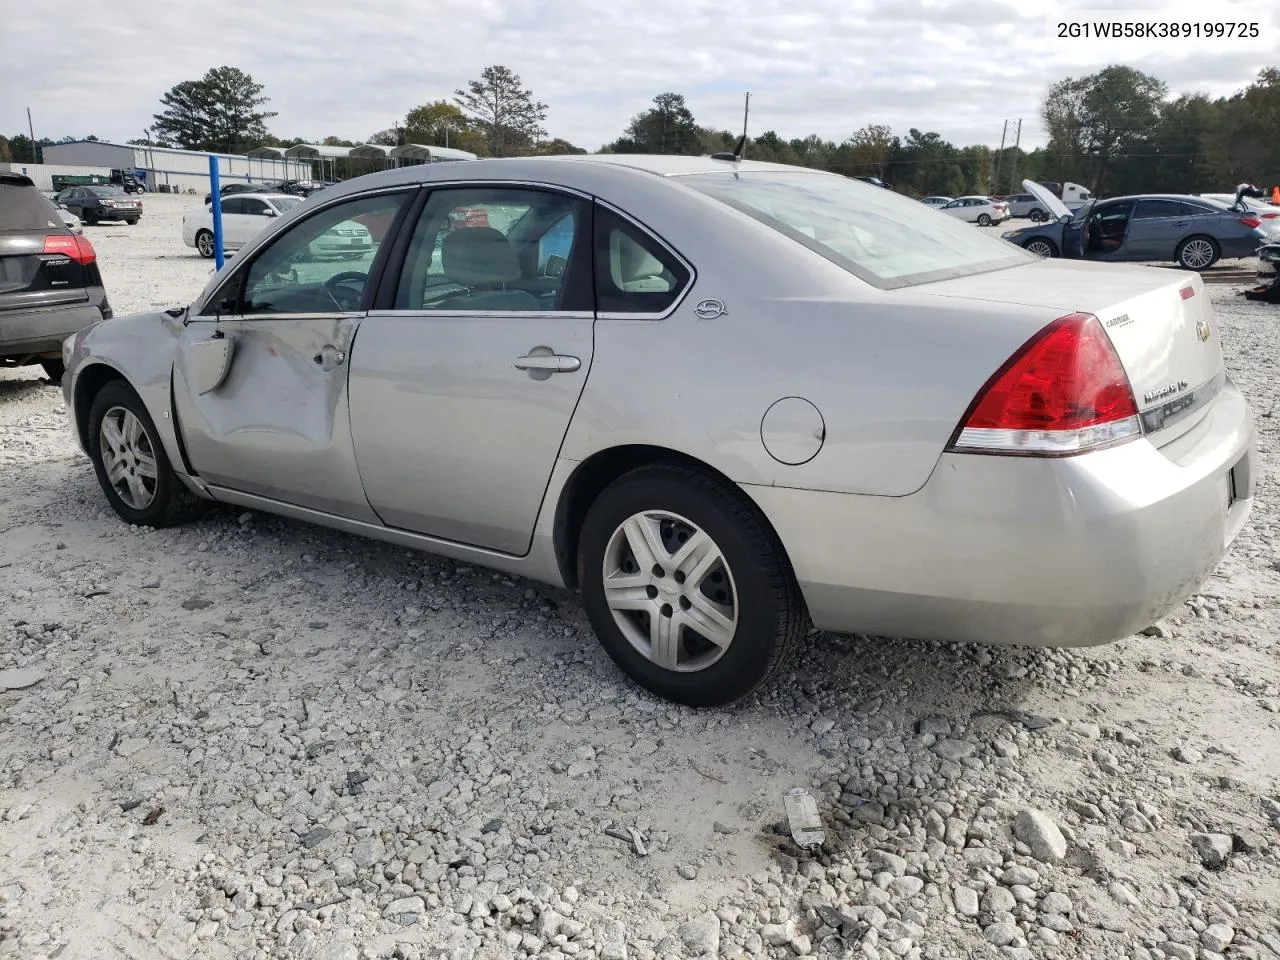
pixel 647 231
pixel 273 317
pixel 499 314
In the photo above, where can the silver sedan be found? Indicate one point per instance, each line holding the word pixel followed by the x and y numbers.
pixel 725 400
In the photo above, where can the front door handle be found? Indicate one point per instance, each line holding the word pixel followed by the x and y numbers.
pixel 548 362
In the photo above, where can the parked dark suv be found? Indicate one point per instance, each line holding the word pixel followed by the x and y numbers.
pixel 50 286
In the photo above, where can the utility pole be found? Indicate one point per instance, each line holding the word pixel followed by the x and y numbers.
pixel 1013 170
pixel 746 111
pixel 995 176
pixel 35 150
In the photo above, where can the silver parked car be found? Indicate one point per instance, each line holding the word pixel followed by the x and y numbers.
pixel 725 400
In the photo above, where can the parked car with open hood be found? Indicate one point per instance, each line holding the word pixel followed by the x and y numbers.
pixel 724 399
pixel 1184 229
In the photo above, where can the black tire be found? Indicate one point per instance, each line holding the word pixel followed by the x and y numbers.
pixel 172 503
pixel 1197 243
pixel 132 222
pixel 90 218
pixel 771 613
pixel 53 369
pixel 984 219
pixel 1037 215
pixel 1045 242
pixel 204 244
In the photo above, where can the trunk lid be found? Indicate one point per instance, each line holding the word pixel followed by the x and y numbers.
pixel 1160 321
pixel 29 277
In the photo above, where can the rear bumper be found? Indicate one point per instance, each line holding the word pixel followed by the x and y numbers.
pixel 42 331
pixel 109 213
pixel 1041 552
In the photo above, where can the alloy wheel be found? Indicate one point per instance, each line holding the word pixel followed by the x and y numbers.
pixel 204 243
pixel 1040 248
pixel 670 590
pixel 1197 254
pixel 128 458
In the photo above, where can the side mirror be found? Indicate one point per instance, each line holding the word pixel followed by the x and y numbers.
pixel 555 266
pixel 1065 218
pixel 269 212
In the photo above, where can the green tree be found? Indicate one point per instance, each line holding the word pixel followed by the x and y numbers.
pixel 666 127
pixel 1109 114
pixel 871 149
pixel 223 110
pixel 503 110
pixel 442 124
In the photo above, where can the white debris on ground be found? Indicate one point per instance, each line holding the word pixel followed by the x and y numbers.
pixel 252 738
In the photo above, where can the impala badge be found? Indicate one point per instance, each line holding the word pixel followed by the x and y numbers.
pixel 710 309
pixel 1151 396
pixel 1202 330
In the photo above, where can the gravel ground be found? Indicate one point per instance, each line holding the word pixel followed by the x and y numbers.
pixel 253 738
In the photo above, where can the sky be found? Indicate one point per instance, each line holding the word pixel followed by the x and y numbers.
pixel 958 67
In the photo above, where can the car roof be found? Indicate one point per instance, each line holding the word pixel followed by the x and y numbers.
pixel 597 174
pixel 1153 196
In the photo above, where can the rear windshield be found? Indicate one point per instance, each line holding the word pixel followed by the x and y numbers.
pixel 26 208
pixel 879 236
pixel 106 191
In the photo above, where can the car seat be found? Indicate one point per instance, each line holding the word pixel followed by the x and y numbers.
pixel 482 260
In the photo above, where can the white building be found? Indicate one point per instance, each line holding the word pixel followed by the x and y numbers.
pixel 178 170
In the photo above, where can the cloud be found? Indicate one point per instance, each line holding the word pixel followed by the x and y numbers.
pixel 960 67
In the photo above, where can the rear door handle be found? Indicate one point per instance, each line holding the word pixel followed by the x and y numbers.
pixel 549 362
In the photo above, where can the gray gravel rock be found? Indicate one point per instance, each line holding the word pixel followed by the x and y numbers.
pixel 1217 937
pixel 701 935
pixel 966 901
pixel 1041 834
pixel 24 679
pixel 1055 903
pixel 1214 849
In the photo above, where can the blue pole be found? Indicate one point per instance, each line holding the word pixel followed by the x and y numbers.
pixel 215 200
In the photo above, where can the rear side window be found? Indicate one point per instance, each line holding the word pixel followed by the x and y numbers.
pixel 635 273
pixel 25 208
pixel 1158 209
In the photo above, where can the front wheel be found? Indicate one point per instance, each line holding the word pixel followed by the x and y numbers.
pixel 204 244
pixel 1197 253
pixel 687 586
pixel 132 467
pixel 1041 247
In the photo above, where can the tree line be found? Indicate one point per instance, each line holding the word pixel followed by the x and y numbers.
pixel 1116 131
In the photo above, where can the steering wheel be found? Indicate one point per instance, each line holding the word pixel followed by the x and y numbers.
pixel 335 284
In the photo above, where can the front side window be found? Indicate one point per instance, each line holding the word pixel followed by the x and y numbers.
pixel 285 204
pixel 233 205
pixel 634 272
pixel 321 264
pixel 877 235
pixel 497 249
pixel 254 207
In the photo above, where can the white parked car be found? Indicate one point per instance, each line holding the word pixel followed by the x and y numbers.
pixel 980 210
pixel 244 216
pixel 936 201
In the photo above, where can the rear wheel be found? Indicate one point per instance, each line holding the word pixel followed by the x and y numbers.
pixel 984 219
pixel 1197 253
pixel 132 467
pixel 53 369
pixel 687 587
pixel 204 243
pixel 132 221
pixel 1037 215
pixel 1041 247
pixel 90 218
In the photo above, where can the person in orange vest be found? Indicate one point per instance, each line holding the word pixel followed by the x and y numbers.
pixel 1275 195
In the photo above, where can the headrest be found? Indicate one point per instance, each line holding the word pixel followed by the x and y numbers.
pixel 629 261
pixel 476 256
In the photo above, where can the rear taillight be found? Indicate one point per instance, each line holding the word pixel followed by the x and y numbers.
pixel 78 248
pixel 1064 392
pixel 1251 222
pixel 1269 216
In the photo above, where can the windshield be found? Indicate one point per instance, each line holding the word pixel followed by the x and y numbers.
pixel 285 204
pixel 877 235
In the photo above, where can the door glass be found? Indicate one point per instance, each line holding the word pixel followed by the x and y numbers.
pixel 493 250
pixel 232 205
pixel 1159 209
pixel 321 264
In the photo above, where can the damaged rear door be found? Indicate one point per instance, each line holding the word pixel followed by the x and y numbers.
pixel 260 381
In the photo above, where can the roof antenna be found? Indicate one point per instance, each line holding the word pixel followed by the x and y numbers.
pixel 736 155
